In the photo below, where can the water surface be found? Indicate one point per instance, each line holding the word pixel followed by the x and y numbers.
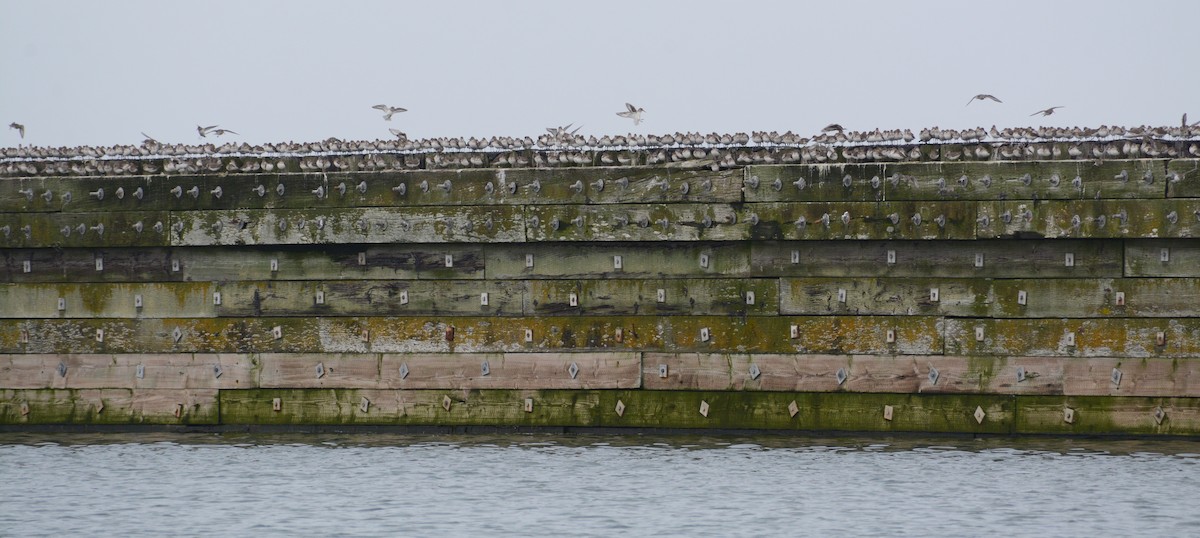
pixel 604 485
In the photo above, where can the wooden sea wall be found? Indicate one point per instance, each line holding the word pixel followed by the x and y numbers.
pixel 1030 297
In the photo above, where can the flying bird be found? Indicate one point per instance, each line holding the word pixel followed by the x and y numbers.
pixel 219 132
pixel 983 96
pixel 633 113
pixel 832 127
pixel 205 130
pixel 563 131
pixel 1046 112
pixel 389 110
pixel 20 128
pixel 398 134
pixel 148 139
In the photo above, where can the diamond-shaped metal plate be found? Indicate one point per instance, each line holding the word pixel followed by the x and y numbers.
pixel 703 408
pixel 841 375
pixel 620 408
pixel 320 370
pixel 979 414
pixel 446 403
pixel 217 371
pixel 888 411
pixel 1159 415
pixel 933 375
pixel 364 404
pixel 177 334
pixel 1116 377
pixel 662 370
pixel 755 371
pixel 1068 415
pixel 485 368
pixel 404 370
pixel 793 409
pixel 140 371
pixel 1020 374
pixel 62 369
pixel 573 370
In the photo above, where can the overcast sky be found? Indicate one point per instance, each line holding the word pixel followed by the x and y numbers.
pixel 100 72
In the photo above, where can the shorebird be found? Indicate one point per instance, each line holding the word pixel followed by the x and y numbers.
pixel 204 130
pixel 219 132
pixel 389 110
pixel 983 96
pixel 148 139
pixel 832 127
pixel 633 113
pixel 21 128
pixel 1046 112
pixel 398 134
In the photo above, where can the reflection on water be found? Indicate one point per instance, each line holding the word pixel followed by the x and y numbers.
pixel 384 485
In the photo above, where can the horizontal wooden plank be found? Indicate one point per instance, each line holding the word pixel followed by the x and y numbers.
pixel 634 222
pixel 511 371
pixel 1162 257
pixel 1097 337
pixel 916 374
pixel 991 180
pixel 1179 217
pixel 859 220
pixel 975 259
pixel 862 373
pixel 743 296
pixel 1183 177
pixel 329 262
pixel 919 335
pixel 108 406
pixel 639 408
pixel 429 224
pixel 128 370
pixel 107 300
pixel 67 230
pixel 1102 415
pixel 998 298
pixel 348 189
pixel 637 260
pixel 376 297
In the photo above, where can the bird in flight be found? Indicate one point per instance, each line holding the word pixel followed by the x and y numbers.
pixel 1046 112
pixel 205 130
pixel 983 96
pixel 219 132
pixel 633 113
pixel 20 128
pixel 149 139
pixel 389 110
pixel 832 127
pixel 398 134
pixel 563 131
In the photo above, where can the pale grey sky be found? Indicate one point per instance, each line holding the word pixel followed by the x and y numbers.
pixel 99 72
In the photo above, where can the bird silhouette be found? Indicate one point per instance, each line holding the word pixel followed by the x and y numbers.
pixel 633 113
pixel 20 128
pixel 205 130
pixel 398 134
pixel 389 110
pixel 219 132
pixel 832 127
pixel 1046 112
pixel 982 97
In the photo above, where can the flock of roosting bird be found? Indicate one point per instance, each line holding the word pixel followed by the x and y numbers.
pixel 565 146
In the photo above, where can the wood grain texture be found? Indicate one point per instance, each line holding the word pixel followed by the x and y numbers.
pixel 1095 337
pixel 1172 218
pixel 1147 258
pixel 999 298
pixel 109 406
pixel 1047 180
pixel 945 259
pixel 120 370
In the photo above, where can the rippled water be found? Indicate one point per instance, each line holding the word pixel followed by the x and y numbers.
pixel 432 485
